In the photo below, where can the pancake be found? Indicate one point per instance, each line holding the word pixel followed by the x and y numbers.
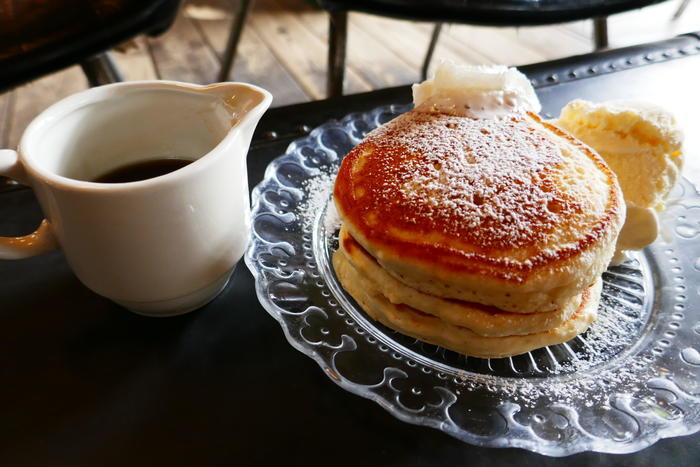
pixel 433 330
pixel 482 319
pixel 509 212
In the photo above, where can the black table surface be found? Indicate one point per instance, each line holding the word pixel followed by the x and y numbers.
pixel 85 382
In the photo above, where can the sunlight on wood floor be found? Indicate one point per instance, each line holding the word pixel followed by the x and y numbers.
pixel 284 44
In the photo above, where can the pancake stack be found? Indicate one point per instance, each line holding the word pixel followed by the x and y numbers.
pixel 486 236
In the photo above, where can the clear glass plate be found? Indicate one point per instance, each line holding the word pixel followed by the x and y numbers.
pixel 633 378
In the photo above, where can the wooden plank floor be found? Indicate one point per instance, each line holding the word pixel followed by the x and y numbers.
pixel 284 44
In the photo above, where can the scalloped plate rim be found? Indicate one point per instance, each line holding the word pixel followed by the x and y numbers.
pixel 592 444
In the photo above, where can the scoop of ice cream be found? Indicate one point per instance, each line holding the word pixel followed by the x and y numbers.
pixel 642 144
pixel 479 91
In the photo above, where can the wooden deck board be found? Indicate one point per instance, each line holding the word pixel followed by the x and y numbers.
pixel 135 60
pixel 284 49
pixel 652 23
pixel 255 63
pixel 367 54
pixel 6 103
pixel 556 40
pixel 409 40
pixel 499 44
pixel 299 49
pixel 31 99
pixel 182 54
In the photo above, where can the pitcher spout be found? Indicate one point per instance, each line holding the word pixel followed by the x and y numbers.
pixel 241 104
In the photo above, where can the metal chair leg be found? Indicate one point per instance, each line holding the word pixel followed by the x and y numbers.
pixel 600 32
pixel 234 37
pixel 100 69
pixel 681 9
pixel 338 35
pixel 431 48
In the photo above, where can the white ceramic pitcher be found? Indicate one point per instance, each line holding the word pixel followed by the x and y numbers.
pixel 160 246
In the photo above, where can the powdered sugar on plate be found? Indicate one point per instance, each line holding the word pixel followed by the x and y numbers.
pixel 317 192
pixel 630 384
pixel 578 370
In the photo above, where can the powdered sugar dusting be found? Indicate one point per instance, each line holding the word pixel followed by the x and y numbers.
pixel 491 182
pixel 317 191
pixel 629 387
pixel 621 317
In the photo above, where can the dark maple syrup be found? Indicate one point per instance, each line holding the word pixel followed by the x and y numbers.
pixel 142 170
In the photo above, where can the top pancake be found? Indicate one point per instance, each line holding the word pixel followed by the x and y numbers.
pixel 508 211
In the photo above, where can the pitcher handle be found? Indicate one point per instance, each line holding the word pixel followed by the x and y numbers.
pixel 42 239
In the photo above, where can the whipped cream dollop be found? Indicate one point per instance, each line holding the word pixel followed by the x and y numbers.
pixel 481 91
